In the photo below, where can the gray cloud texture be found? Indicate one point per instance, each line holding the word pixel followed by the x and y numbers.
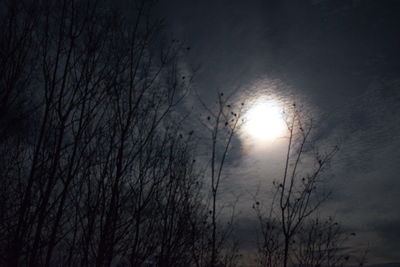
pixel 339 57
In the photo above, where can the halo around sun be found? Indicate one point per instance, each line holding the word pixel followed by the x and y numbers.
pixel 264 121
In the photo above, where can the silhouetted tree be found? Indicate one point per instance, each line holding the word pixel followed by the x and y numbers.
pixel 222 123
pixel 103 173
pixel 297 195
pixel 321 243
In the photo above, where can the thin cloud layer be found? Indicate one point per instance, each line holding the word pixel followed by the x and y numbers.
pixel 339 59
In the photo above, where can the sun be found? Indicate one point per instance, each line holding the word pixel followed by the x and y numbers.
pixel 264 121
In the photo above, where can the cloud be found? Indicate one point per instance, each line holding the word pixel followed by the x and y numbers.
pixel 341 59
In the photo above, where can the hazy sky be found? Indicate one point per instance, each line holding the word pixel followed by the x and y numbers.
pixel 339 58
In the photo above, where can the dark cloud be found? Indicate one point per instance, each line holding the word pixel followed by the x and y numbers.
pixel 339 57
pixel 389 232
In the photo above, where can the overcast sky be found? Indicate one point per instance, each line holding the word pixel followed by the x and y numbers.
pixel 339 58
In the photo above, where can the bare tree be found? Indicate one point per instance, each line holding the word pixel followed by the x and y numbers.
pixel 297 195
pixel 16 64
pixel 222 122
pixel 321 243
pixel 104 174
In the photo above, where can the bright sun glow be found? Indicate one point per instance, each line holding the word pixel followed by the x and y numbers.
pixel 264 121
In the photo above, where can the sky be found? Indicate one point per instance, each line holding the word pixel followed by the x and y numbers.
pixel 340 59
